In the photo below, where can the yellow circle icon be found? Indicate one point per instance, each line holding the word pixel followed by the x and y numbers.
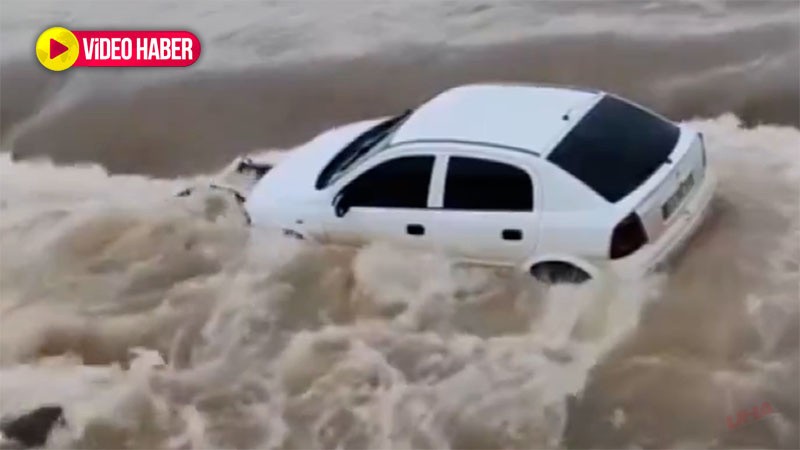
pixel 57 49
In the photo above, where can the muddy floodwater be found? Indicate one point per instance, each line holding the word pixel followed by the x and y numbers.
pixel 156 324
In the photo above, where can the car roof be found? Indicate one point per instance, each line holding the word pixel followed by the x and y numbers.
pixel 523 117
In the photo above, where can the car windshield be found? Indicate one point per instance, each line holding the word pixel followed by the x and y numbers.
pixel 366 144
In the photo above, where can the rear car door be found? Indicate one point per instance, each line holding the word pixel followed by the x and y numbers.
pixel 387 202
pixel 487 210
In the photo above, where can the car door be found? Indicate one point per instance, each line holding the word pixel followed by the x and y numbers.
pixel 487 212
pixel 387 202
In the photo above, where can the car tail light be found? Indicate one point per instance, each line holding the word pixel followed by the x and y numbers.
pixel 629 236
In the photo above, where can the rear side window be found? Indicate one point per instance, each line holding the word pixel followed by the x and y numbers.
pixel 616 147
pixel 483 185
pixel 398 183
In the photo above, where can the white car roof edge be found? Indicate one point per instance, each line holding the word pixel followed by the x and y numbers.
pixel 465 142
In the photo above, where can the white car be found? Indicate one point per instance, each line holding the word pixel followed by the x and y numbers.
pixel 563 183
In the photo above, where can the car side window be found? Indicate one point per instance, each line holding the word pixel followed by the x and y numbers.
pixel 399 183
pixel 484 185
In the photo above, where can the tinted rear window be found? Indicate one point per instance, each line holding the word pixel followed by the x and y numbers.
pixel 616 147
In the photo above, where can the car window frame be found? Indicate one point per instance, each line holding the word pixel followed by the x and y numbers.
pixel 490 161
pixel 500 156
pixel 387 156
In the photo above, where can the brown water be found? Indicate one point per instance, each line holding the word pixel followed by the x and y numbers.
pixel 161 322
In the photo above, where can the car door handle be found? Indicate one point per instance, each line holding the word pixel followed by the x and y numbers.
pixel 415 229
pixel 512 235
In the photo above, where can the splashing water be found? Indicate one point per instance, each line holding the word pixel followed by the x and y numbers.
pixel 158 324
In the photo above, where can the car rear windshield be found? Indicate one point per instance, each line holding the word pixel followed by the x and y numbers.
pixel 616 147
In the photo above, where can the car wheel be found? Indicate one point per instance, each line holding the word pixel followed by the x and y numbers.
pixel 559 272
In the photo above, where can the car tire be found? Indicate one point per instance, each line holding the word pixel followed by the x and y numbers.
pixel 559 272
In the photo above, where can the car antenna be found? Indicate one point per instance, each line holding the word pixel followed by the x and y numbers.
pixel 565 117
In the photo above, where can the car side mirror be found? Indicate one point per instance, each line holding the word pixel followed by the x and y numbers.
pixel 341 204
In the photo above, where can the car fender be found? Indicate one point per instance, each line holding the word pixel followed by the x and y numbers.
pixel 578 262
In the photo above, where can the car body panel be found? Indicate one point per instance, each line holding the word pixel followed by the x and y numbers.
pixel 672 239
pixel 478 236
pixel 361 225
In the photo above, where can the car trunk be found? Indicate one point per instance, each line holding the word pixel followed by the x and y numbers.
pixel 634 159
pixel 663 199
